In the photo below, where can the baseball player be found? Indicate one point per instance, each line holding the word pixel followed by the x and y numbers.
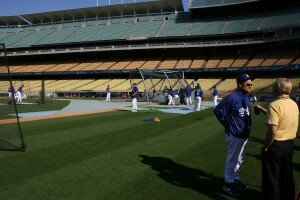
pixel 11 91
pixel 108 93
pixel 198 97
pixel 233 112
pixel 135 96
pixel 171 96
pixel 188 95
pixel 19 93
pixel 215 95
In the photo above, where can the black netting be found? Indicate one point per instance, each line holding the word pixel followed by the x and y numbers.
pixel 10 131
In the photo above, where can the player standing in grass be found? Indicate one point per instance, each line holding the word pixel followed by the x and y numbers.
pixel 135 96
pixel 233 112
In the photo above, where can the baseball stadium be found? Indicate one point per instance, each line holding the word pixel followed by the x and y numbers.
pixel 61 138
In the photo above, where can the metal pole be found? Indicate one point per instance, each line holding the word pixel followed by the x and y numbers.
pixel 167 78
pixel 23 145
pixel 181 83
pixel 42 93
pixel 144 85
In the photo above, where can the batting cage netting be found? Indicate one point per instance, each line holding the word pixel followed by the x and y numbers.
pixel 11 138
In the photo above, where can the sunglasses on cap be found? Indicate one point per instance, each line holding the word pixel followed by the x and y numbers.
pixel 248 84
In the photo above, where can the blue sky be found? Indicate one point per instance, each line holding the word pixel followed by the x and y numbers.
pixel 17 7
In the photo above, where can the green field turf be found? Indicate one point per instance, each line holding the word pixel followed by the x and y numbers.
pixel 50 104
pixel 117 156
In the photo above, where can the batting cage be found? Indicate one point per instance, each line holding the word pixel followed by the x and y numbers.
pixel 11 138
pixel 161 79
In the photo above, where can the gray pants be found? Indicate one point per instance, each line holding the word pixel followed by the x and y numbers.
pixel 236 149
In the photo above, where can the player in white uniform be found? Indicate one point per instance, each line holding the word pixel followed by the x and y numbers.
pixel 108 93
pixel 135 96
pixel 19 93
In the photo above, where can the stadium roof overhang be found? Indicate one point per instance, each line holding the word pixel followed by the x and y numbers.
pixel 151 6
pixel 207 4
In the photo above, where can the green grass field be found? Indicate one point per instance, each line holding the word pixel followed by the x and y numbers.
pixel 50 104
pixel 117 156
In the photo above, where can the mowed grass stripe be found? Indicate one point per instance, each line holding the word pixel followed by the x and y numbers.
pixel 141 145
pixel 55 156
pixel 115 171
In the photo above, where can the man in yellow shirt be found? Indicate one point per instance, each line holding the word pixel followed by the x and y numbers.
pixel 277 153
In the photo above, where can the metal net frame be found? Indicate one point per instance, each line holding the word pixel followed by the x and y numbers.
pixel 11 137
pixel 171 78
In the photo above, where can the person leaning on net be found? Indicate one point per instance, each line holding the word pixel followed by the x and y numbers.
pixel 233 112
pixel 278 150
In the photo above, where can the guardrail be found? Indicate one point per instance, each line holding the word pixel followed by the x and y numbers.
pixel 136 47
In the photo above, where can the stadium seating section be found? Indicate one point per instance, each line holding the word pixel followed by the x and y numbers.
pixel 168 25
pixel 163 25
pixel 255 58
pixel 33 87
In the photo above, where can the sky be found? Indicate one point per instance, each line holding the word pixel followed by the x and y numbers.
pixel 18 7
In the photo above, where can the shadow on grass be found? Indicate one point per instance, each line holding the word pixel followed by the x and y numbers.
pixel 296 166
pixel 194 179
pixel 254 139
pixel 256 156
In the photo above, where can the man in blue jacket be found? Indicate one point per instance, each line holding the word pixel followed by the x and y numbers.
pixel 11 91
pixel 171 96
pixel 233 112
pixel 215 95
pixel 198 97
pixel 188 95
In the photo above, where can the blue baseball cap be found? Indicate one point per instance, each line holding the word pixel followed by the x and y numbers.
pixel 242 78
